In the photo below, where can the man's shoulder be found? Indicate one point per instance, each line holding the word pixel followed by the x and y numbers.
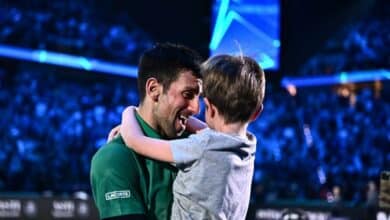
pixel 112 147
pixel 113 152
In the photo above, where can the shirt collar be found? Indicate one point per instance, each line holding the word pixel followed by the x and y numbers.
pixel 147 129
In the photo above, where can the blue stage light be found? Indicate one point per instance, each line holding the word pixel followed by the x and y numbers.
pixel 249 27
pixel 341 78
pixel 67 60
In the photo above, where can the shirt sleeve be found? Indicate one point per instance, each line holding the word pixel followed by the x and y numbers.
pixel 115 184
pixel 187 150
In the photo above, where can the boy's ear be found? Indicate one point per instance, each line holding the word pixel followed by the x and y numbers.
pixel 211 110
pixel 153 89
pixel 256 113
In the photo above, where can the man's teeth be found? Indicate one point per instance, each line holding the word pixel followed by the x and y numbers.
pixel 183 119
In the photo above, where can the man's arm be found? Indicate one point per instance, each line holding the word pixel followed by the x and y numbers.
pixel 116 190
pixel 135 139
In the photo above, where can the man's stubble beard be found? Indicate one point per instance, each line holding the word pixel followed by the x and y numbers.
pixel 165 127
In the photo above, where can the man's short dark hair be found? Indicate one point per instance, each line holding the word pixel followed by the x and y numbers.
pixel 235 85
pixel 165 62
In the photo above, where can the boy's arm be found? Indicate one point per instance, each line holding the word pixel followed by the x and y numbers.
pixel 135 139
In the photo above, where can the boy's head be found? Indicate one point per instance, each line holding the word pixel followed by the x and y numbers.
pixel 235 85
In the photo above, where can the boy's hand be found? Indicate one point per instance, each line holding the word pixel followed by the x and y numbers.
pixel 195 125
pixel 114 133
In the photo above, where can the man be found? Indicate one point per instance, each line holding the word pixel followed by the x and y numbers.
pixel 126 185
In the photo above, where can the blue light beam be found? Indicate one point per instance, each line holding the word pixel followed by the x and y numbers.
pixel 342 78
pixel 66 60
pixel 224 21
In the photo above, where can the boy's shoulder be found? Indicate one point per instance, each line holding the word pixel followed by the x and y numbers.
pixel 231 143
pixel 212 139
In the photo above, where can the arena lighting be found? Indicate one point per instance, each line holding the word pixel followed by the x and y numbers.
pixel 72 61
pixel 341 78
pixel 224 18
pixel 222 24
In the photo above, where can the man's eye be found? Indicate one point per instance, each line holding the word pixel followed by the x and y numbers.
pixel 188 95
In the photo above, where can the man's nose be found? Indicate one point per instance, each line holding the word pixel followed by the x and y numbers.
pixel 193 106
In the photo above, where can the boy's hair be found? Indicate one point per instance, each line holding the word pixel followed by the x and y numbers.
pixel 235 85
pixel 165 62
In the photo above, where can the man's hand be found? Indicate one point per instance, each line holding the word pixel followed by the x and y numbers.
pixel 114 133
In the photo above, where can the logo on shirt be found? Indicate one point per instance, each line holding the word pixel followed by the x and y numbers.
pixel 122 194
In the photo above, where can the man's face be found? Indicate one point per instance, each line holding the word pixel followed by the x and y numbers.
pixel 179 102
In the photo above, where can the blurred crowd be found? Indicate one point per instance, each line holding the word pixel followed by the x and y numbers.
pixel 73 27
pixel 315 144
pixel 52 125
pixel 361 45
pixel 322 144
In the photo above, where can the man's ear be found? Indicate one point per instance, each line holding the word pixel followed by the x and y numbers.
pixel 153 89
pixel 256 113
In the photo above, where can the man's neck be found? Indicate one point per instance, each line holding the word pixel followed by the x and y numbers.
pixel 147 115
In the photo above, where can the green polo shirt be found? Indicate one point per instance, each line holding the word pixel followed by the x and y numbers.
pixel 124 182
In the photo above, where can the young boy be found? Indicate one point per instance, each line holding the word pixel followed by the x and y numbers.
pixel 216 164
